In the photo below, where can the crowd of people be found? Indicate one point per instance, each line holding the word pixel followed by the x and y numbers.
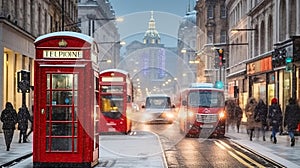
pixel 10 119
pixel 261 117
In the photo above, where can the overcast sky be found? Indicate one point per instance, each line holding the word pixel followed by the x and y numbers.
pixel 136 14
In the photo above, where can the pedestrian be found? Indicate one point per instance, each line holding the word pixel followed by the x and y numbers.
pixel 9 119
pixel 275 117
pixel 230 117
pixel 238 115
pixel 31 127
pixel 250 111
pixel 23 117
pixel 261 116
pixel 291 118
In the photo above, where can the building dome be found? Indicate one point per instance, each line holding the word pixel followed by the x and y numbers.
pixel 189 18
pixel 151 35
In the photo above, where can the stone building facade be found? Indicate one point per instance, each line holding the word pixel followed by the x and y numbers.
pixel 96 18
pixel 271 30
pixel 212 35
pixel 21 22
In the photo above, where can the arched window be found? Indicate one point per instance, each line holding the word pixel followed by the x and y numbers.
pixel 270 33
pixel 262 37
pixel 292 17
pixel 256 44
pixel 282 20
pixel 32 14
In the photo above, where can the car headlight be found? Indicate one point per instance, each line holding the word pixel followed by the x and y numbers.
pixel 221 115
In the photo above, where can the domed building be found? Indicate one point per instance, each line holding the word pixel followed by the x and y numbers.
pixel 151 35
pixel 151 62
pixel 187 35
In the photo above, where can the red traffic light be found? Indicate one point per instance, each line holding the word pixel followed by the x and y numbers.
pixel 221 56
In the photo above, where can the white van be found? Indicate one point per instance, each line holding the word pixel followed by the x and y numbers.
pixel 158 108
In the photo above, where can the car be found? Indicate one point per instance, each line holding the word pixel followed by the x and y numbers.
pixel 158 109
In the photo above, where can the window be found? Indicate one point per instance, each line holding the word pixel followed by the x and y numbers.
pixel 210 37
pixel 210 12
pixel 223 11
pixel 223 36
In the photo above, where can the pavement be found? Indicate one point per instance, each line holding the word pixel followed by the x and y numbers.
pixel 144 149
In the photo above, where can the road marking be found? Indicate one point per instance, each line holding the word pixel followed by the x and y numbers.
pixel 239 159
pixel 225 146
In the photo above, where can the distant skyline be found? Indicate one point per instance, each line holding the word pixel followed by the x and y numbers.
pixel 136 14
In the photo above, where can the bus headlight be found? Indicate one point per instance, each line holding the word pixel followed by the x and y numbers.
pixel 222 115
pixel 190 114
pixel 169 115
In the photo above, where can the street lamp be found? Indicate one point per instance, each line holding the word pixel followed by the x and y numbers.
pixel 106 60
pixel 238 30
pixel 113 50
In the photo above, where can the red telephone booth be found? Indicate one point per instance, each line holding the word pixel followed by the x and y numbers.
pixel 66 107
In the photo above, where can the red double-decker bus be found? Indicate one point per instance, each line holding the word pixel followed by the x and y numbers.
pixel 201 111
pixel 116 96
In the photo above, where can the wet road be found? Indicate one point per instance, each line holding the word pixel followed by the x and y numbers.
pixel 201 152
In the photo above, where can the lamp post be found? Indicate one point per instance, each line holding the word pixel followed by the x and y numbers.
pixel 242 53
pixel 113 49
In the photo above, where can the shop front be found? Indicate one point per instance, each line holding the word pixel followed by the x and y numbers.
pixel 237 87
pixel 261 78
pixel 286 63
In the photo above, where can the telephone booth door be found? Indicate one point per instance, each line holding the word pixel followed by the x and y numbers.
pixel 58 115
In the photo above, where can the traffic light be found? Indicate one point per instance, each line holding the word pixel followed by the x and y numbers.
pixel 23 78
pixel 219 84
pixel 289 63
pixel 221 57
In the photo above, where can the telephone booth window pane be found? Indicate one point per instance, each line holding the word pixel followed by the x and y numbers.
pixel 47 129
pixel 61 129
pixel 75 113
pixel 75 144
pixel 75 85
pixel 63 81
pixel 48 97
pixel 75 129
pixel 61 97
pixel 48 81
pixel 75 96
pixel 47 113
pixel 47 144
pixel 61 144
pixel 61 113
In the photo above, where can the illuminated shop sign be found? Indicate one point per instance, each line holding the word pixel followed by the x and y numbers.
pixel 62 54
pixel 259 66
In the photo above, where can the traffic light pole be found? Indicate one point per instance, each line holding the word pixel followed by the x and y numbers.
pixel 23 98
pixel 220 73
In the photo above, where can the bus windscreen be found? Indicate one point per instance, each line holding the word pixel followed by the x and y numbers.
pixel 206 98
